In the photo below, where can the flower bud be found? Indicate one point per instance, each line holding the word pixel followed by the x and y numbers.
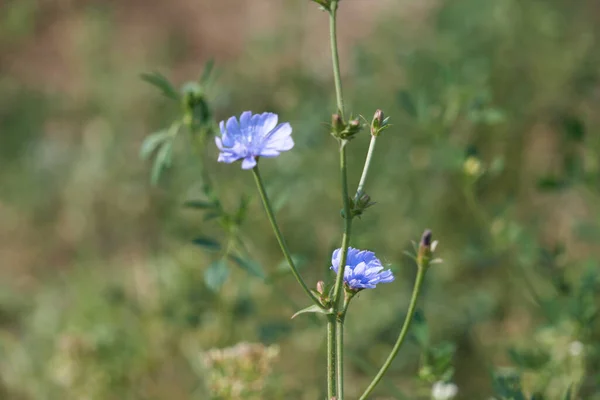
pixel 354 126
pixel 426 249
pixel 379 123
pixel 426 238
pixel 320 287
pixel 337 125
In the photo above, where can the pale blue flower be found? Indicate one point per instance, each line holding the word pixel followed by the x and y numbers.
pixel 363 270
pixel 253 136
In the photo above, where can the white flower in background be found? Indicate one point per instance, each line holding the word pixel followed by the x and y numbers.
pixel 576 348
pixel 443 391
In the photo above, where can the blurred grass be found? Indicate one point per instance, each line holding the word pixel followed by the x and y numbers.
pixel 103 296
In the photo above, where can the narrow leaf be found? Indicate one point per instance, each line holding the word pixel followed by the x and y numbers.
pixel 216 274
pixel 162 161
pixel 252 267
pixel 199 204
pixel 313 309
pixel 158 80
pixel 206 73
pixel 207 243
pixel 211 215
pixel 152 142
pixel 407 103
pixel 567 395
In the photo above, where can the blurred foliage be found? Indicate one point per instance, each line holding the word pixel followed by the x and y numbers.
pixel 114 288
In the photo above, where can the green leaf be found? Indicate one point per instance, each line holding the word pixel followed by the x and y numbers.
pixel 152 142
pixel 534 359
pixel 549 183
pixel 567 395
pixel 211 215
pixel 242 210
pixel 216 274
pixel 407 103
pixel 207 243
pixel 508 386
pixel 420 329
pixel 158 80
pixel 162 161
pixel 574 128
pixel 199 204
pixel 252 267
pixel 313 309
pixel 206 73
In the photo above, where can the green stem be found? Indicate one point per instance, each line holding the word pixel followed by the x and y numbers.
pixel 402 336
pixel 286 253
pixel 363 178
pixel 337 290
pixel 335 57
pixel 331 356
pixel 336 300
pixel 341 318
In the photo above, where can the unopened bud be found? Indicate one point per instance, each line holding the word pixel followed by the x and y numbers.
pixel 337 123
pixel 426 238
pixel 320 287
pixel 425 249
pixel 354 124
pixel 377 122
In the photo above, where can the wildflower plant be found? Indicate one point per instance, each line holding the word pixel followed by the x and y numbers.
pixel 252 137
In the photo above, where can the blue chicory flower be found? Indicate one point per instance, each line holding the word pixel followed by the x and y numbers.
pixel 253 136
pixel 363 270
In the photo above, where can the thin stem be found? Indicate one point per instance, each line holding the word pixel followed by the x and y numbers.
pixel 402 336
pixel 363 178
pixel 336 300
pixel 335 56
pixel 331 356
pixel 286 253
pixel 339 356
pixel 340 319
pixel 347 228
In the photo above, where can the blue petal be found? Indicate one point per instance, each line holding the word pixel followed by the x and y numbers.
pixel 219 143
pixel 249 162
pixel 360 269
pixel 268 153
pixel 268 122
pixel 228 157
pixel 245 119
pixel 233 128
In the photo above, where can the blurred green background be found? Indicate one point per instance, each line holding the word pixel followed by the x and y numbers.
pixel 495 147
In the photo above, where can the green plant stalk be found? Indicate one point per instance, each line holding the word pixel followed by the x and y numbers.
pixel 339 341
pixel 286 253
pixel 403 333
pixel 337 290
pixel 346 201
pixel 335 56
pixel 363 178
pixel 331 356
